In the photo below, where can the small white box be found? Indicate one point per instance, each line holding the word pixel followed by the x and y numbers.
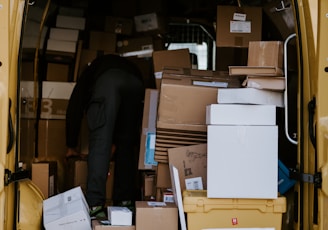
pixel 236 114
pixel 250 96
pixel 119 215
pixel 61 46
pixel 70 22
pixel 146 22
pixel 64 34
pixel 242 161
pixel 68 210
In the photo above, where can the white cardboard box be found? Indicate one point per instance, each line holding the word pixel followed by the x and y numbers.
pixel 61 46
pixel 70 22
pixel 236 114
pixel 68 210
pixel 119 215
pixel 64 34
pixel 250 96
pixel 242 161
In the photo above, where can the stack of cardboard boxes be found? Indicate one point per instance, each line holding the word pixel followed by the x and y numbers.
pixel 196 120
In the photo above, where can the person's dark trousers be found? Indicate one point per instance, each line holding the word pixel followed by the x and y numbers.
pixel 114 116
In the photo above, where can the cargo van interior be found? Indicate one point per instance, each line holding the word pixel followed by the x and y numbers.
pixel 180 24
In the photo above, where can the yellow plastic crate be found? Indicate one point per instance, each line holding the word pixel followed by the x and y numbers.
pixel 204 213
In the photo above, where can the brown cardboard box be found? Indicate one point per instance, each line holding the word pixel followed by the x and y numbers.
pixel 119 25
pixel 266 53
pixel 163 179
pixel 237 26
pixel 57 72
pixel 51 141
pixel 185 94
pixel 169 58
pixel 150 216
pixel 97 225
pixel 265 58
pixel 148 126
pixel 77 171
pixel 104 41
pixel 191 162
pixel 44 175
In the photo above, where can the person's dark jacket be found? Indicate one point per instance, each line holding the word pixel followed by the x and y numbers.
pixel 82 91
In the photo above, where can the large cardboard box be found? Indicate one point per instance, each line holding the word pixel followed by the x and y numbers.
pixel 206 213
pixel 44 175
pixel 156 215
pixel 147 147
pixel 184 95
pixel 242 161
pixel 237 26
pixel 191 163
pixel 169 58
pixel 68 209
pixel 237 114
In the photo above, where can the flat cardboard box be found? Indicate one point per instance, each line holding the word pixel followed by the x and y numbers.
pixel 148 128
pixel 154 215
pixel 64 34
pixel 237 26
pixel 102 41
pixel 97 225
pixel 169 58
pixel 191 162
pixel 251 214
pixel 255 70
pixel 250 96
pixel 68 209
pixel 44 175
pixel 265 83
pixel 242 161
pixel 237 114
pixel 70 22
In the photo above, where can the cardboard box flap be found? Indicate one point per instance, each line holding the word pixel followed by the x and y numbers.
pixel 207 78
pixel 255 70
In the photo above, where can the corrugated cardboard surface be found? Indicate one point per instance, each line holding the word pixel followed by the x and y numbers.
pixel 96 225
pixel 191 162
pixel 266 53
pixel 159 218
pixel 44 175
pixel 100 40
pixel 225 15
